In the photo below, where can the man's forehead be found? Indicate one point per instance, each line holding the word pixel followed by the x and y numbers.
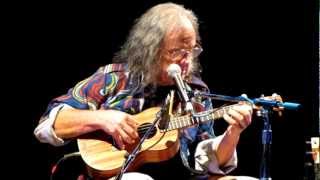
pixel 181 34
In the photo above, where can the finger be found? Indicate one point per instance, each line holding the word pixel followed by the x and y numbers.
pixel 244 109
pixel 242 123
pixel 129 130
pixel 131 122
pixel 133 127
pixel 229 119
pixel 245 112
pixel 125 137
pixel 118 140
pixel 235 114
pixel 238 118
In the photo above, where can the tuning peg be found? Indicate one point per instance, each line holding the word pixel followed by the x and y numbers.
pixel 244 95
pixel 275 95
pixel 279 113
pixel 259 113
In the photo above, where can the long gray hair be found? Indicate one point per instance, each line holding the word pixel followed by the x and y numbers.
pixel 142 47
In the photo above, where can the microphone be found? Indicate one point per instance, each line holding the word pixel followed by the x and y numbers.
pixel 286 105
pixel 174 71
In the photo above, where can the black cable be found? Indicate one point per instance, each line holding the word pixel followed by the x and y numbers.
pixel 56 166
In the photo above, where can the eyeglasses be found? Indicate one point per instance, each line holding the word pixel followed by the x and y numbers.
pixel 178 54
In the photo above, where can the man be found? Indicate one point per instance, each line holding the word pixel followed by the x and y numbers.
pixel 166 34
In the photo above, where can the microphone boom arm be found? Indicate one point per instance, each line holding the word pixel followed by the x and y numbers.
pixel 257 101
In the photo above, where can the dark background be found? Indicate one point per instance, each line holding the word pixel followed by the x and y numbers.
pixel 252 47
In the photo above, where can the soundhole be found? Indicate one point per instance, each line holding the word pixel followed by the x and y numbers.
pixel 143 128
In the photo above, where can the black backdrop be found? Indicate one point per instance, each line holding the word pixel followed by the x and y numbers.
pixel 252 47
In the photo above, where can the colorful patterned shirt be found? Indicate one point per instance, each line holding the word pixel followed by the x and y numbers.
pixel 112 87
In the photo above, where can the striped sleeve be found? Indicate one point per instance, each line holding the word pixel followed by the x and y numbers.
pixel 89 93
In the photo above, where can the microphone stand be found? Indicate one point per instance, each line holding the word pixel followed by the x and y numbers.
pixel 133 154
pixel 266 145
pixel 264 113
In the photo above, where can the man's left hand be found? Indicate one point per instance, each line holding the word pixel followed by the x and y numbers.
pixel 239 117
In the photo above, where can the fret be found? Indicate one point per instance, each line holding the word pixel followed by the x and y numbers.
pixel 190 121
pixel 195 119
pixel 227 109
pixel 215 115
pixel 224 111
pixel 174 124
pixel 184 122
pixel 181 122
pixel 212 115
pixel 178 123
pixel 169 127
pixel 208 117
pixel 171 123
pixel 205 118
pixel 199 119
pixel 202 119
pixel 218 114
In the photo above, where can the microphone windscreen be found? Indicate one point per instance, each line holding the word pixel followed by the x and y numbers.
pixel 173 69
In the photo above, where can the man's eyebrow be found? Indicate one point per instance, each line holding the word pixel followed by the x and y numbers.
pixel 186 39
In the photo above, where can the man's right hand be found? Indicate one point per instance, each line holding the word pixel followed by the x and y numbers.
pixel 120 125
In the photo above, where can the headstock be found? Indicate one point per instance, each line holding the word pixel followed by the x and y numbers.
pixel 274 97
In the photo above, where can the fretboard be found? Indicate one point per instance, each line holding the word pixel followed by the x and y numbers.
pixel 189 120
